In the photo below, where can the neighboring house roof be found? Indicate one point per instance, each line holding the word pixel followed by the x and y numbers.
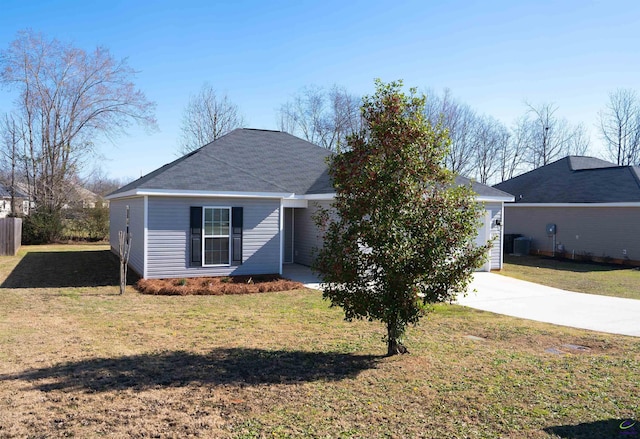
pixel 5 192
pixel 576 179
pixel 76 194
pixel 255 161
pixel 483 190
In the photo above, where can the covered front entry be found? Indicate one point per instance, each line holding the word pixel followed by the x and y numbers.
pixel 288 230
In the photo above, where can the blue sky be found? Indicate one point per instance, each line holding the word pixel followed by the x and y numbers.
pixel 493 55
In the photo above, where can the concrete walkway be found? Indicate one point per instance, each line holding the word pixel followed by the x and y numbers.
pixel 301 273
pixel 527 300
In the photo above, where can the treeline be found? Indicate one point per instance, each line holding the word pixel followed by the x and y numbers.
pixel 482 147
pixel 67 99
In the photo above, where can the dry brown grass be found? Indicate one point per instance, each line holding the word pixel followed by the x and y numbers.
pixel 85 362
pixel 216 286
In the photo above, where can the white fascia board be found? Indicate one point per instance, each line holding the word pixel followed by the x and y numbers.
pixel 488 199
pixel 204 194
pixel 621 204
pixel 330 196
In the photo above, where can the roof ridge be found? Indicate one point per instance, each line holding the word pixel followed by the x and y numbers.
pixel 635 172
pixel 261 129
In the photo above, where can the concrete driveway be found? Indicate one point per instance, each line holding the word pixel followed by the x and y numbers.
pixel 513 297
pixel 527 300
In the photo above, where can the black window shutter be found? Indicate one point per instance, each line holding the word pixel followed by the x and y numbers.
pixel 195 243
pixel 236 235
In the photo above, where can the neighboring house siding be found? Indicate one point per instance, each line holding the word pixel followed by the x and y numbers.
pixel 598 231
pixel 307 237
pixel 117 222
pixel 495 210
pixel 168 231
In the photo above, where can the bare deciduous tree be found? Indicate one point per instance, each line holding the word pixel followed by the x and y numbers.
pixel 68 98
pixel 579 142
pixel 620 127
pixel 551 137
pixel 11 138
pixel 513 152
pixel 491 138
pixel 322 117
pixel 206 117
pixel 461 121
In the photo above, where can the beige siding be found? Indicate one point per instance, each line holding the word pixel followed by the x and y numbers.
pixel 117 222
pixel 599 231
pixel 168 235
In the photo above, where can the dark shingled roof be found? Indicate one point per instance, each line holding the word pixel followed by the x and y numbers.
pixel 250 160
pixel 245 160
pixel 575 179
pixel 5 192
pixel 482 189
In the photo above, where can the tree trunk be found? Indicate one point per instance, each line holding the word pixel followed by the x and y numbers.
pixel 394 346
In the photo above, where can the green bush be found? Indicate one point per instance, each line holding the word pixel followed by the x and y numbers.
pixel 96 223
pixel 42 227
pixel 90 224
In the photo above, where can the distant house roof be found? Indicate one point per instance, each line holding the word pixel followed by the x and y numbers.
pixel 483 190
pixel 576 179
pixel 254 161
pixel 5 192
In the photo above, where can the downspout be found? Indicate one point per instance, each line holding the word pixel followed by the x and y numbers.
pixel 281 234
pixel 145 233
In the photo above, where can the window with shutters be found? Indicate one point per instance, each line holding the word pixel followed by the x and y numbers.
pixel 216 236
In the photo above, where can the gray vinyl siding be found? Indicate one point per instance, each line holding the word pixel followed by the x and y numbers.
pixel 168 237
pixel 307 237
pixel 496 234
pixel 117 222
pixel 598 231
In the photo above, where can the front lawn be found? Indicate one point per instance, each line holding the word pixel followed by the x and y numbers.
pixel 583 277
pixel 77 359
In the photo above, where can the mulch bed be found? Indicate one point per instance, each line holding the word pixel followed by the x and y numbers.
pixel 203 286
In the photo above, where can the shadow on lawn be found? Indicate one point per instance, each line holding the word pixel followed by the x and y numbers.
pixel 66 269
pixel 175 369
pixel 561 264
pixel 611 428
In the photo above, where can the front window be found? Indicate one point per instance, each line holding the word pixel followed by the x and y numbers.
pixel 216 230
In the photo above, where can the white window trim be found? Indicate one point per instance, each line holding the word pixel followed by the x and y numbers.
pixel 205 236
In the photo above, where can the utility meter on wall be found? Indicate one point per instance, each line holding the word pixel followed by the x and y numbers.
pixel 551 229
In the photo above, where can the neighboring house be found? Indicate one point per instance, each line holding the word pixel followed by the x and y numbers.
pixel 80 197
pixel 21 202
pixel 593 205
pixel 242 204
pixel 77 197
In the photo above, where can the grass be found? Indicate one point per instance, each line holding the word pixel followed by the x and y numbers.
pixel 81 361
pixel 584 277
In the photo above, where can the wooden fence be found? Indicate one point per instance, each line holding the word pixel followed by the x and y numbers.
pixel 10 236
